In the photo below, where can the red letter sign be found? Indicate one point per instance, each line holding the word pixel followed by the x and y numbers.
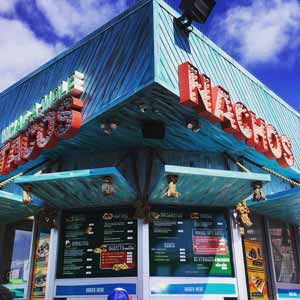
pixel 214 104
pixel 275 148
pixel 63 123
pixel 195 91
pixel 243 118
pixel 3 158
pixel 68 119
pixel 223 110
pixel 287 159
pixel 259 136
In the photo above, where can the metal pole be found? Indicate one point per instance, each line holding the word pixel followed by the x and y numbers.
pixel 238 259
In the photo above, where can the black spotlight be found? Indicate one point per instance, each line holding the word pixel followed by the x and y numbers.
pixel 194 10
pixel 153 130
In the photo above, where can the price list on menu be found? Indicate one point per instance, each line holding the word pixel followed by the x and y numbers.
pixel 102 244
pixel 189 243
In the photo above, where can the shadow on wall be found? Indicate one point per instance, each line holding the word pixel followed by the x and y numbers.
pixel 181 38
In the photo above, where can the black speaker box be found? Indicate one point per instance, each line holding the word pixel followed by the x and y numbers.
pixel 153 130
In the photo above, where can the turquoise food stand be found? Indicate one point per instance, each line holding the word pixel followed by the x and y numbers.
pixel 118 177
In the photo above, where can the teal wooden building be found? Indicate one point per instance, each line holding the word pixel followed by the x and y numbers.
pixel 110 181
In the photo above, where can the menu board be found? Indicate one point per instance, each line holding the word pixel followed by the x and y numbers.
pixel 190 243
pixel 40 267
pixel 255 270
pixel 98 244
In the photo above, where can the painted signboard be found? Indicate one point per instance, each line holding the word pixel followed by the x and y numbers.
pixel 214 104
pixel 56 117
pixel 255 266
pixel 189 243
pixel 40 267
pixel 18 293
pixel 190 289
pixel 101 244
pixel 93 289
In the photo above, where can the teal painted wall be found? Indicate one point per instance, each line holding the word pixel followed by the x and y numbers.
pixel 172 48
pixel 133 51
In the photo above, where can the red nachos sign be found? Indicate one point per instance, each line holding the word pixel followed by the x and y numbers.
pixel 215 105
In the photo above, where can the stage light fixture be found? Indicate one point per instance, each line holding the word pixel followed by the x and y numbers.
pixel 235 217
pixel 193 125
pixel 109 127
pixel 194 10
pixel 143 108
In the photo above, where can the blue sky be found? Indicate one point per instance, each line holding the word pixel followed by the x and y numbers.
pixel 263 35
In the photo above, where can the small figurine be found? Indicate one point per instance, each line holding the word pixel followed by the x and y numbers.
pixel 142 211
pixel 172 192
pixel 258 194
pixel 139 210
pixel 107 186
pixel 243 213
pixel 27 198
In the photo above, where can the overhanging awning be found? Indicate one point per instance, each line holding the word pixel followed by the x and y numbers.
pixel 81 188
pixel 207 187
pixel 13 209
pixel 284 205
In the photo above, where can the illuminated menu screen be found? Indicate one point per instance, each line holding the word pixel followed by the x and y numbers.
pixel 189 243
pixel 98 244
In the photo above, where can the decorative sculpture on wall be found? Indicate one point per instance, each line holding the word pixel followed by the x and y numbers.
pixel 139 209
pixel 172 192
pixel 243 214
pixel 258 194
pixel 107 186
pixel 26 197
pixel 142 211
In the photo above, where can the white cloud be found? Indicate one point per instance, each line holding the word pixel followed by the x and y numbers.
pixel 7 6
pixel 21 51
pixel 262 31
pixel 78 18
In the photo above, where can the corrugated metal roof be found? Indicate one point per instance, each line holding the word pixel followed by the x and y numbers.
pixel 12 208
pixel 172 48
pixel 197 186
pixel 284 205
pixel 80 188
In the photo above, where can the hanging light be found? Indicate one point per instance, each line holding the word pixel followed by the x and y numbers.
pixel 48 217
pixel 235 216
pixel 109 127
pixel 193 125
pixel 143 107
pixel 107 186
